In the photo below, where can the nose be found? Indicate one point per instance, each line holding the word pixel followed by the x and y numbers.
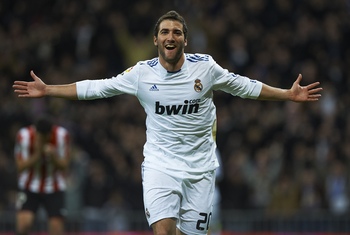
pixel 170 36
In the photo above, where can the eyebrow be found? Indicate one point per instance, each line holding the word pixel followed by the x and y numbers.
pixel 174 29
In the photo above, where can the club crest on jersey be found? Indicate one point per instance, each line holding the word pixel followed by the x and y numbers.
pixel 198 86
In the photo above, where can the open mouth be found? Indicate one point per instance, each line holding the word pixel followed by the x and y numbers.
pixel 170 47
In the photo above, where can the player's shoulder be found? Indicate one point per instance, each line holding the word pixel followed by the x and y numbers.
pixel 149 63
pixel 26 129
pixel 60 130
pixel 24 133
pixel 198 57
pixel 142 66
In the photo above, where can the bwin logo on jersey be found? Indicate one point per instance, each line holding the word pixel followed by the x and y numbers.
pixel 189 106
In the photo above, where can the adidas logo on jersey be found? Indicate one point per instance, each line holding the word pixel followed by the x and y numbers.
pixel 189 106
pixel 154 88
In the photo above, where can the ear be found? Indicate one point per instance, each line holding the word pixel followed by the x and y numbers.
pixel 155 41
pixel 185 42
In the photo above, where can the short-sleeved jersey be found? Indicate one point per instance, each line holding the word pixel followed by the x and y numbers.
pixel 43 177
pixel 181 115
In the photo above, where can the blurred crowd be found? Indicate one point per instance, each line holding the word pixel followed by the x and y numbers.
pixel 279 157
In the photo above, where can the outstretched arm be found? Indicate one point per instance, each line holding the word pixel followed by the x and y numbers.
pixel 37 88
pixel 296 93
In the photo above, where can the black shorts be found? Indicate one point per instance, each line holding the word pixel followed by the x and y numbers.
pixel 53 203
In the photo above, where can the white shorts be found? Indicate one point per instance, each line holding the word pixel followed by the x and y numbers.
pixel 187 197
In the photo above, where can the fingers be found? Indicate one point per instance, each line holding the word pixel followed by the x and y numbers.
pixel 24 84
pixel 312 85
pixel 299 78
pixel 20 88
pixel 32 74
pixel 20 84
pixel 27 89
pixel 22 93
pixel 313 97
pixel 314 94
pixel 316 90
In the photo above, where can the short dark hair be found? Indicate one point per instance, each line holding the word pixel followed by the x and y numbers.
pixel 43 125
pixel 171 15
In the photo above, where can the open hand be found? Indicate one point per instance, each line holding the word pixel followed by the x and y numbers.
pixel 304 93
pixel 32 89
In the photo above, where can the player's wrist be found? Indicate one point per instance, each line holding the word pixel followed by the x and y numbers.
pixel 48 90
pixel 289 95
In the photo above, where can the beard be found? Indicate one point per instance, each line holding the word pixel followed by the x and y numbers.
pixel 171 56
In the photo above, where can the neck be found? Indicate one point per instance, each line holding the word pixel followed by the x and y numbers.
pixel 172 66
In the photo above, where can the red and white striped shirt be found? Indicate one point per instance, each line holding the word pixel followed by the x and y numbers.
pixel 43 177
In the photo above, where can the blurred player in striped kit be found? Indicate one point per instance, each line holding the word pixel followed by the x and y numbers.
pixel 42 156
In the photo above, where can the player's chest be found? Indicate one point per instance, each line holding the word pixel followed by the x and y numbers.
pixel 174 89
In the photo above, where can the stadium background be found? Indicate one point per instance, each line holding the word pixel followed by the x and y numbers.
pixel 286 165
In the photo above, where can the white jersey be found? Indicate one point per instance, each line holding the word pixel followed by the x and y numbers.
pixel 181 115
